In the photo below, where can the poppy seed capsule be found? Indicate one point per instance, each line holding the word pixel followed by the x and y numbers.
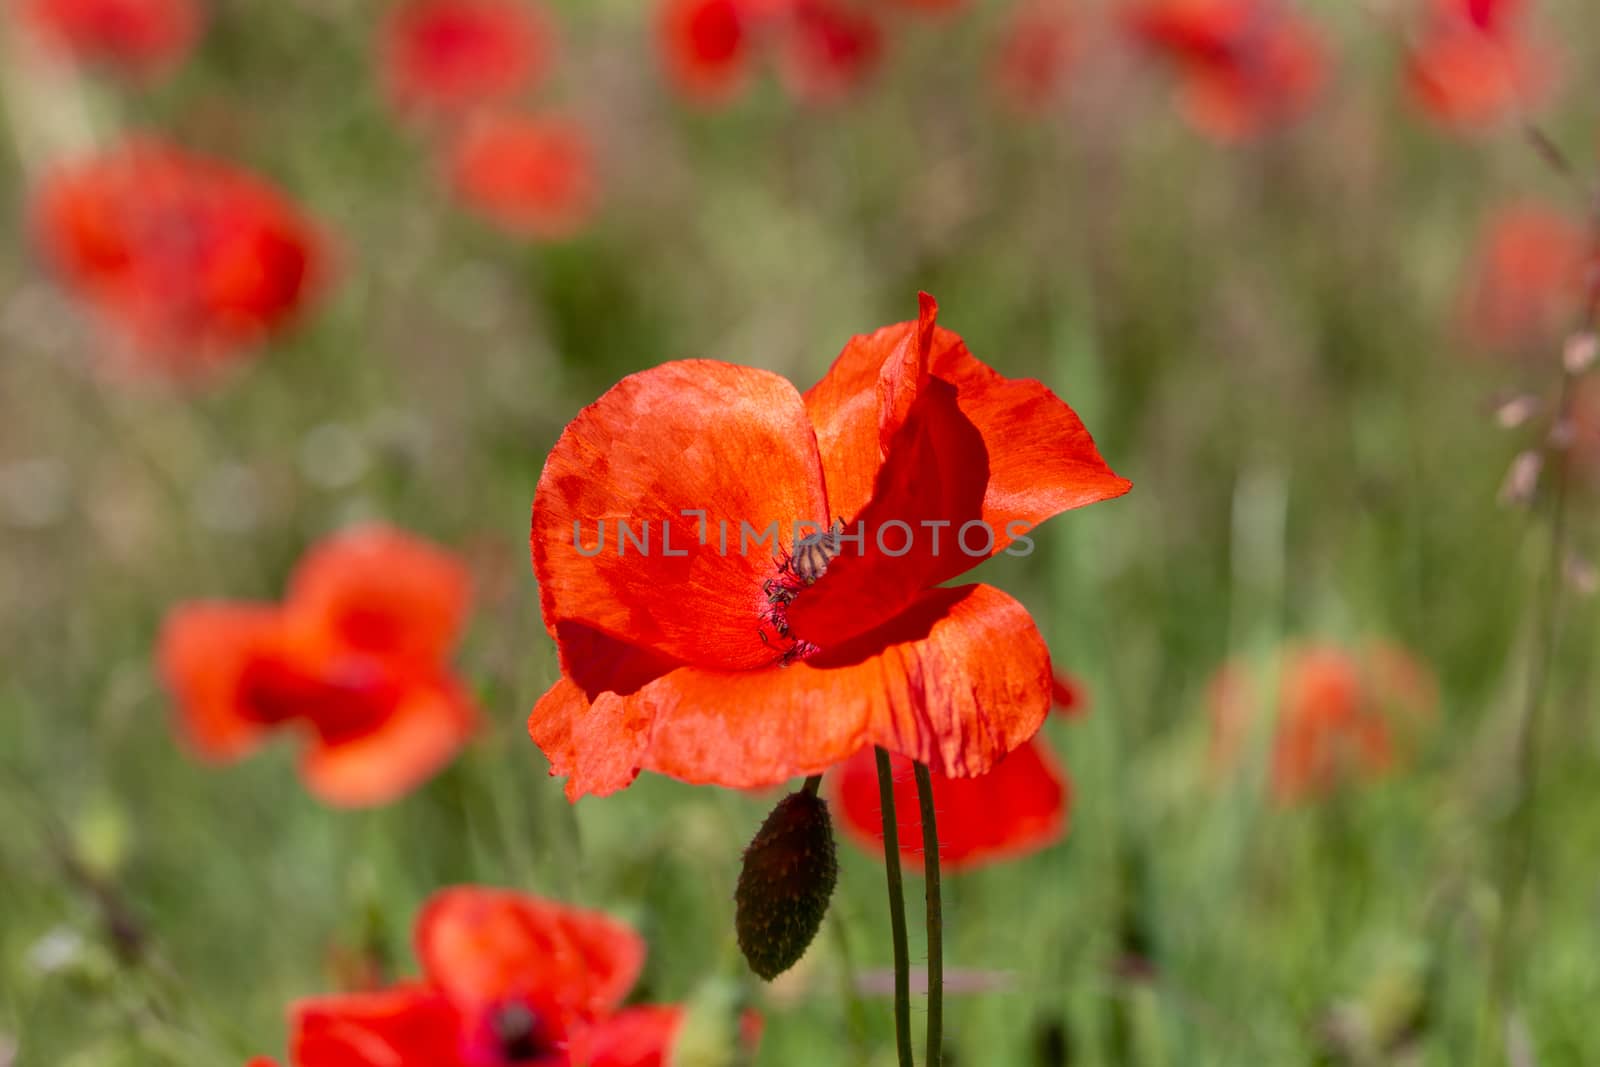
pixel 784 886
pixel 814 552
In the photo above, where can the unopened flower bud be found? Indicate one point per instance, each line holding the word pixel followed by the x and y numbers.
pixel 789 873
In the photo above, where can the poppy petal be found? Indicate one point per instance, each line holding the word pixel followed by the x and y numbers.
pixel 1019 807
pixel 484 947
pixel 204 651
pixel 705 45
pixel 380 592
pixel 661 448
pixel 533 176
pixel 957 482
pixel 410 1025
pixel 958 680
pixel 428 725
pixel 638 1037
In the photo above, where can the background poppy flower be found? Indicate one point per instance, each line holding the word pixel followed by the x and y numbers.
pixel 137 37
pixel 355 658
pixel 448 56
pixel 706 46
pixel 829 47
pixel 1018 808
pixel 1035 49
pixel 722 667
pixel 1526 277
pixel 508 980
pixel 1340 714
pixel 532 176
pixel 1471 65
pixel 1246 65
pixel 191 259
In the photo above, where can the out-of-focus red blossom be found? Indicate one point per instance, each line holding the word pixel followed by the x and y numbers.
pixel 1340 714
pixel 706 46
pixel 509 980
pixel 1019 807
pixel 1035 50
pixel 354 659
pixel 1527 277
pixel 824 48
pixel 450 56
pixel 1472 67
pixel 262 1061
pixel 722 665
pixel 138 37
pixel 533 176
pixel 191 259
pixel 829 48
pixel 1069 696
pixel 1246 66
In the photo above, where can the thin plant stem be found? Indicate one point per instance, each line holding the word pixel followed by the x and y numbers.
pixel 813 784
pixel 897 911
pixel 933 1055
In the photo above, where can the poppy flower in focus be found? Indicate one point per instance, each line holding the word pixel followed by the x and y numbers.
pixel 191 259
pixel 742 651
pixel 137 37
pixel 354 659
pixel 532 176
pixel 824 48
pixel 1527 278
pixel 1035 50
pixel 1246 66
pixel 1341 714
pixel 1471 66
pixel 509 980
pixel 449 56
pixel 1018 808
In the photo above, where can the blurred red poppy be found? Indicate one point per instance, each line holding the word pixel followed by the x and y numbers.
pixel 354 659
pixel 1030 65
pixel 191 259
pixel 1471 66
pixel 1526 278
pixel 829 48
pixel 713 661
pixel 1069 696
pixel 449 56
pixel 533 176
pixel 706 46
pixel 137 37
pixel 824 48
pixel 509 980
pixel 1018 808
pixel 1246 65
pixel 1340 714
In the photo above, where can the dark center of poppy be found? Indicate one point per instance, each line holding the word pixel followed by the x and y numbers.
pixel 346 700
pixel 802 568
pixel 520 1035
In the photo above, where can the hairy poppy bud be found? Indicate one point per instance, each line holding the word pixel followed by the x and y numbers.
pixel 789 872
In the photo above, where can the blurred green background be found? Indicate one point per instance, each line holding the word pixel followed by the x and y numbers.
pixel 1263 337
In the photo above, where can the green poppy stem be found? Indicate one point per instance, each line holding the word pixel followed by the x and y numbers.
pixel 930 868
pixel 813 784
pixel 897 911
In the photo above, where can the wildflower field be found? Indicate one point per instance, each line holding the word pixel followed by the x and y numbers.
pixel 472 480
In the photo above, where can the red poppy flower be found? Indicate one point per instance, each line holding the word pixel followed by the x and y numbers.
pixel 1339 714
pixel 135 36
pixel 191 259
pixel 355 658
pixel 509 980
pixel 1019 807
pixel 1527 277
pixel 1035 50
pixel 1069 696
pixel 533 176
pixel 1471 66
pixel 1247 65
pixel 448 56
pixel 706 46
pixel 713 661
pixel 829 47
